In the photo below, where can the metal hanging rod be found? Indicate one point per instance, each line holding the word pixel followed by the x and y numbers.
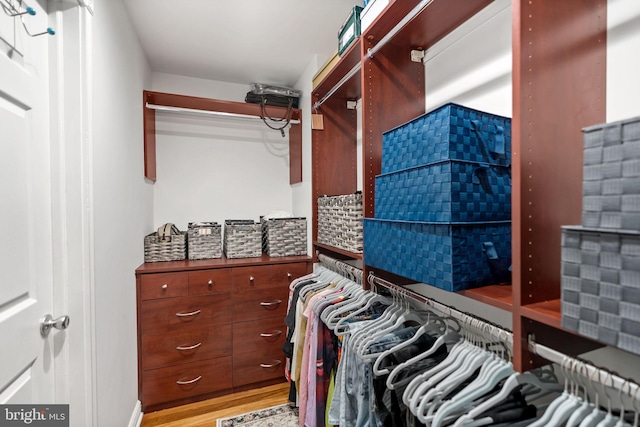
pixel 592 372
pixel 337 86
pixel 212 113
pixel 503 335
pixel 340 267
pixel 391 34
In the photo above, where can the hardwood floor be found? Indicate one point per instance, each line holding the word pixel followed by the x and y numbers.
pixel 205 413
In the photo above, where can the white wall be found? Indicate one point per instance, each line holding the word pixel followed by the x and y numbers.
pixel 123 204
pixel 211 168
pixel 623 61
pixel 472 65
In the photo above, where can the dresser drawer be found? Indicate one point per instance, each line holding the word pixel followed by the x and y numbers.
pixel 255 367
pixel 164 285
pixel 251 278
pixel 186 380
pixel 205 282
pixel 262 304
pixel 183 347
pixel 283 274
pixel 172 314
pixel 257 335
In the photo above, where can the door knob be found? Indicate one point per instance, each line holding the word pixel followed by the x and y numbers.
pixel 48 322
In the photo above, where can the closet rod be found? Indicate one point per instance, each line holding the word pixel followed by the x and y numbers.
pixel 391 34
pixel 213 113
pixel 593 373
pixel 337 86
pixel 496 331
pixel 330 262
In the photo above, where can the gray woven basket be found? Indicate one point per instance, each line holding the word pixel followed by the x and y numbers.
pixel 284 236
pixel 611 179
pixel 156 249
pixel 242 239
pixel 204 240
pixel 340 221
pixel 600 285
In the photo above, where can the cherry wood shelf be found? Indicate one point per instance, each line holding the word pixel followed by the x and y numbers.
pixel 347 254
pixel 500 296
pixel 215 105
pixel 547 312
pixel 206 264
pixel 351 89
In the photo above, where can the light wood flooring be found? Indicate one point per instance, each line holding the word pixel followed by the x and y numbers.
pixel 205 413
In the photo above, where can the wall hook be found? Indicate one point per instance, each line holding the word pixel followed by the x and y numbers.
pixel 14 12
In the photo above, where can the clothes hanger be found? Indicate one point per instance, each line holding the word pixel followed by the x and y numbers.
pixel 387 318
pixel 408 316
pixel 486 361
pixel 495 372
pixel 433 325
pixel 587 406
pixel 570 405
pixel 468 352
pixel 450 338
pixel 366 299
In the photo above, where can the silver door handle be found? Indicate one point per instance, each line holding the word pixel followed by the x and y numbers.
pixel 48 322
pixel 270 365
pixel 271 304
pixel 271 334
pixel 193 313
pixel 190 347
pixel 187 382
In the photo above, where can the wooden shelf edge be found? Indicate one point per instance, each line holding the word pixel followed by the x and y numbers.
pixel 499 296
pixel 347 61
pixel 215 105
pixel 212 263
pixel 351 255
pixel 547 312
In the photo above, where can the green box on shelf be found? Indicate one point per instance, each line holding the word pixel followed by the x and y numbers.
pixel 350 30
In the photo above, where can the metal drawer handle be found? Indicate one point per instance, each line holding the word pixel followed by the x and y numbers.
pixel 195 380
pixel 165 286
pixel 271 334
pixel 289 275
pixel 191 347
pixel 270 365
pixel 210 282
pixel 272 303
pixel 251 278
pixel 193 313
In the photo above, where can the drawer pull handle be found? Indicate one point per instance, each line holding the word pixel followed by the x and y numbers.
pixel 271 304
pixel 193 313
pixel 195 380
pixel 270 365
pixel 165 286
pixel 210 282
pixel 251 278
pixel 289 275
pixel 271 334
pixel 190 347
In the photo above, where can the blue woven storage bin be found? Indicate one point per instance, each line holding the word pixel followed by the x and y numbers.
pixel 448 191
pixel 447 256
pixel 448 133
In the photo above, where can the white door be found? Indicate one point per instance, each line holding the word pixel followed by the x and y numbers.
pixel 26 250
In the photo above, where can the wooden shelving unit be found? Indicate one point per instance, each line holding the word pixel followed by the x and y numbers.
pixel 559 82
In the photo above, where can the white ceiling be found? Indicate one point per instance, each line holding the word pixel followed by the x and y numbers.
pixel 238 41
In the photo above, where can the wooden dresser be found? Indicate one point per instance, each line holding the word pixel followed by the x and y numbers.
pixel 210 327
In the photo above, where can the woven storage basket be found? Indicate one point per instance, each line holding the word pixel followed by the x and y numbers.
pixel 156 249
pixel 447 191
pixel 204 240
pixel 284 236
pixel 611 185
pixel 601 285
pixel 340 221
pixel 451 132
pixel 448 256
pixel 242 239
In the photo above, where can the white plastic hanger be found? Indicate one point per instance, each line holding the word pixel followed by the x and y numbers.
pixel 433 325
pixel 548 414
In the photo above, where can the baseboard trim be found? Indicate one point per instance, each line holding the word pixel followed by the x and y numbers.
pixel 136 417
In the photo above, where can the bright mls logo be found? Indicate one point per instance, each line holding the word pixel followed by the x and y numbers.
pixel 34 415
